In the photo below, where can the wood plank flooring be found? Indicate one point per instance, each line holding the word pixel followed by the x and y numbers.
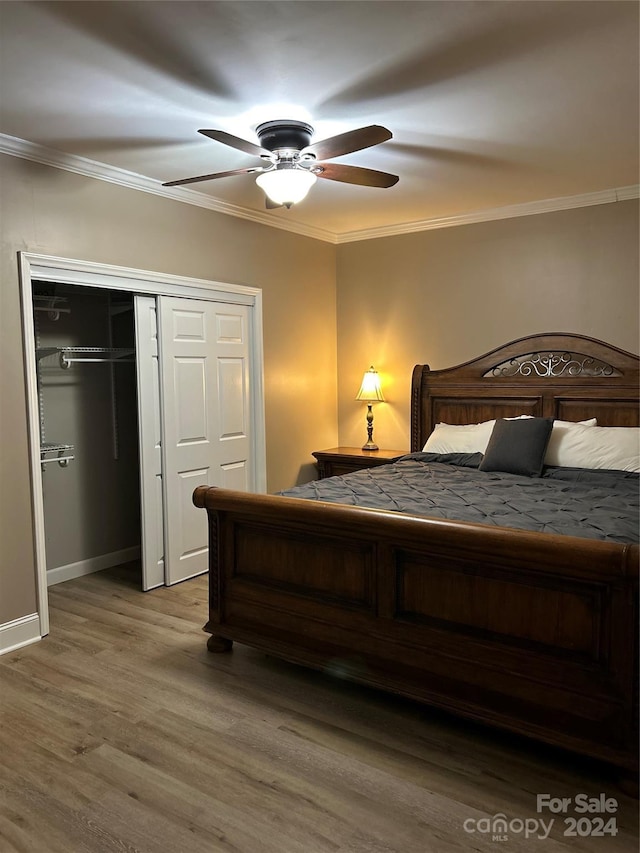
pixel 120 732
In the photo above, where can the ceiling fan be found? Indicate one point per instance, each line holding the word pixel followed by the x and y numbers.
pixel 293 162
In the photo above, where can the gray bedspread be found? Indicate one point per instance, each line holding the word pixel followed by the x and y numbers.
pixel 575 502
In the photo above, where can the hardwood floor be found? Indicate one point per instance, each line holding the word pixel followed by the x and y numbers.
pixel 120 732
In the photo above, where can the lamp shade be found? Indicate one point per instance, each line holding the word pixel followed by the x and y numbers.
pixel 286 186
pixel 370 390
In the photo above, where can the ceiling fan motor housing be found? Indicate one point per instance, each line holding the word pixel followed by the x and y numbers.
pixel 288 135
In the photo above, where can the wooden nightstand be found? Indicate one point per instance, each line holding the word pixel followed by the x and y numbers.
pixel 343 460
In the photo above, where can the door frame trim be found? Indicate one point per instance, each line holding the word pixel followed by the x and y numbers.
pixel 110 277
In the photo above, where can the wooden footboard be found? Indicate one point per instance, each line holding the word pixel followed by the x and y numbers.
pixel 530 632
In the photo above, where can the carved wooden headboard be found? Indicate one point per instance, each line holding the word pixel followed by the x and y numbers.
pixel 560 375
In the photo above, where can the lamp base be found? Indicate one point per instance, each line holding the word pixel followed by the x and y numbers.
pixel 370 443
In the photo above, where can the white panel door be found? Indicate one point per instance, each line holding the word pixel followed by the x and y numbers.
pixel 204 358
pixel 234 462
pixel 149 436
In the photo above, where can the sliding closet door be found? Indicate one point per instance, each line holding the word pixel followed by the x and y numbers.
pixel 206 417
pixel 149 433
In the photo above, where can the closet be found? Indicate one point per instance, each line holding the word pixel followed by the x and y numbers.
pixel 86 371
pixel 141 398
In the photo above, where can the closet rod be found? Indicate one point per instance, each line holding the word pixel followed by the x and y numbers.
pixel 68 361
pixel 62 461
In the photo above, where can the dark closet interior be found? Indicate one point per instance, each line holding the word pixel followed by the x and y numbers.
pixel 85 355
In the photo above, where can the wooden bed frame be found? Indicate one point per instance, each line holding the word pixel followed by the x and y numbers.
pixel 535 633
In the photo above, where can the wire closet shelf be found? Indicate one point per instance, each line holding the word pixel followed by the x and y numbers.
pixel 64 453
pixel 80 355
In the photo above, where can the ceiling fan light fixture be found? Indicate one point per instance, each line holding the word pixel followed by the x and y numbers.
pixel 286 186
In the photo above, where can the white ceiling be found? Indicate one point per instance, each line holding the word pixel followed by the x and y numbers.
pixel 490 103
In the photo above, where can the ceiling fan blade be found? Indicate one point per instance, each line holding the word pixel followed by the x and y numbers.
pixel 345 143
pixel 213 176
pixel 356 175
pixel 236 142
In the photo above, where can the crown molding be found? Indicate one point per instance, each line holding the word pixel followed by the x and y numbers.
pixel 15 147
pixel 625 193
pixel 512 211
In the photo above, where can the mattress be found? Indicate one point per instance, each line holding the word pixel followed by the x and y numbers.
pixel 590 504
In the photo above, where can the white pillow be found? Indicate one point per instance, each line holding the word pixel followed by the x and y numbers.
pixel 613 448
pixel 459 438
pixel 473 438
pixel 559 438
pixel 462 438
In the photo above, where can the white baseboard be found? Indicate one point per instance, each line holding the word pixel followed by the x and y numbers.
pixel 93 564
pixel 19 632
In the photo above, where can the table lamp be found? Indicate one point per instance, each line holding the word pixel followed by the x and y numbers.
pixel 370 392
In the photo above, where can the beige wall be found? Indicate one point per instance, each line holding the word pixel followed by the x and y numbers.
pixel 442 297
pixel 54 212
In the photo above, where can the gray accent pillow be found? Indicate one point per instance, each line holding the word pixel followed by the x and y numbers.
pixel 518 447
